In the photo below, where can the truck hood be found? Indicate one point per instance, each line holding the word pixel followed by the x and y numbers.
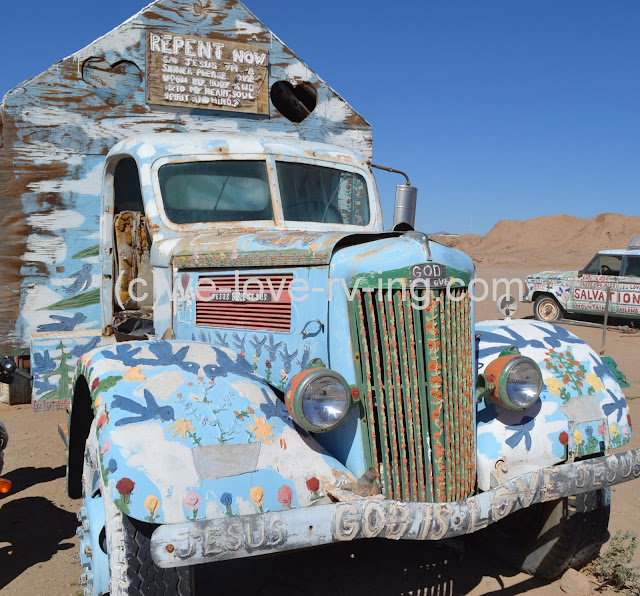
pixel 259 249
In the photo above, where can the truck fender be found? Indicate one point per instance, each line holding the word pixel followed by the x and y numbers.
pixel 581 411
pixel 186 431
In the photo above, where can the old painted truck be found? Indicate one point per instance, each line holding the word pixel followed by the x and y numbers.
pixel 195 262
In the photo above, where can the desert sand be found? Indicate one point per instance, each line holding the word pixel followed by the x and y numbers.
pixel 37 521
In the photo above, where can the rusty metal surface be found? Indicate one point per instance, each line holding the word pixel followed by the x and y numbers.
pixel 216 540
pixel 418 395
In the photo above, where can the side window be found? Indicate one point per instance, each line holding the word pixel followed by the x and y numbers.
pixel 633 266
pixel 604 265
pixel 126 186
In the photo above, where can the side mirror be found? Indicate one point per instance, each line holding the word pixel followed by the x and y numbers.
pixel 404 213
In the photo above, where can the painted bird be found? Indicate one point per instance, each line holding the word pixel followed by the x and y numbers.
pixel 149 412
pixel 82 279
pixel 64 323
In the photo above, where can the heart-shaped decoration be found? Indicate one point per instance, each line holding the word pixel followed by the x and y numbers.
pixel 294 102
pixel 113 83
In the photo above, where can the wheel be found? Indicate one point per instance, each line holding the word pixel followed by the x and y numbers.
pixel 115 550
pixel 546 539
pixel 546 308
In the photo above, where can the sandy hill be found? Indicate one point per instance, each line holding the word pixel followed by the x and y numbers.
pixel 562 241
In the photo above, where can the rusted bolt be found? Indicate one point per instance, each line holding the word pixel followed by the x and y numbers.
pixel 169 548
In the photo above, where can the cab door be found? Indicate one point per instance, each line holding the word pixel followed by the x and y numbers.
pixel 601 275
pixel 629 288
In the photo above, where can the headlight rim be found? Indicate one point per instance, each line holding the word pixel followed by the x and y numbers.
pixel 501 385
pixel 295 392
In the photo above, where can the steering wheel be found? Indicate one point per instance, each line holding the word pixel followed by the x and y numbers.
pixel 317 207
pixel 605 270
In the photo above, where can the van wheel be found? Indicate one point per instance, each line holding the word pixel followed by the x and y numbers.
pixel 547 308
pixel 546 539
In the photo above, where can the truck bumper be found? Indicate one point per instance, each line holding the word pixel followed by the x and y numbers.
pixel 174 545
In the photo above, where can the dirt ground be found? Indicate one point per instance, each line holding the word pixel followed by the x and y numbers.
pixel 38 545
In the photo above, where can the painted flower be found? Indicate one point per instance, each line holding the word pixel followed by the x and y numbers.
pixel 261 429
pixel 105 446
pixel 191 501
pixel 95 384
pixel 563 438
pixel 577 435
pixel 268 364
pixel 283 375
pixel 257 496
pixel 151 504
pixel 313 484
pixel 102 420
pixel 113 465
pixel 125 487
pixel 613 429
pixel 554 385
pixel 625 432
pixel 250 410
pixel 594 380
pixel 589 431
pixel 629 420
pixel 181 427
pixel 255 359
pixel 285 495
pixel 601 430
pixel 226 499
pixel 98 402
pixel 184 279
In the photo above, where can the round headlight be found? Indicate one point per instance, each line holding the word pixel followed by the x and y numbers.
pixel 318 399
pixel 523 382
pixel 517 381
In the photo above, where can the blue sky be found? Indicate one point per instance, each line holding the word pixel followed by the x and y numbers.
pixel 497 109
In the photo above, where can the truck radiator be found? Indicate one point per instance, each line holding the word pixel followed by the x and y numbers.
pixel 416 379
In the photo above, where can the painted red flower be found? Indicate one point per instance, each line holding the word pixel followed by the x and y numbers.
pixel 629 420
pixel 125 486
pixel 285 495
pixel 564 438
pixel 250 410
pixel 313 484
pixel 601 429
pixel 95 384
pixel 102 420
pixel 268 363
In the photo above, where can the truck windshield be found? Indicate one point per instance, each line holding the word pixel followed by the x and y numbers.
pixel 319 194
pixel 235 190
pixel 216 191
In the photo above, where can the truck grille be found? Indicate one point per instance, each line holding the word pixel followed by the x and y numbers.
pixel 415 370
pixel 231 306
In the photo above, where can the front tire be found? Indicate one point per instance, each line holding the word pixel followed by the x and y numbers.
pixel 546 539
pixel 547 308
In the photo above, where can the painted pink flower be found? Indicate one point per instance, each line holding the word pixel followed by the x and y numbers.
pixel 601 430
pixel 285 495
pixel 268 363
pixel 184 279
pixel 625 432
pixel 105 446
pixel 102 420
pixel 191 500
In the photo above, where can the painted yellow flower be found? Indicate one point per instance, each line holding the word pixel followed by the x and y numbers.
pixel 613 429
pixel 98 402
pixel 577 435
pixel 181 427
pixel 262 430
pixel 151 504
pixel 554 385
pixel 594 380
pixel 257 495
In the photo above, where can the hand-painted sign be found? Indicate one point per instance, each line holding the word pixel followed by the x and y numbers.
pixel 214 74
